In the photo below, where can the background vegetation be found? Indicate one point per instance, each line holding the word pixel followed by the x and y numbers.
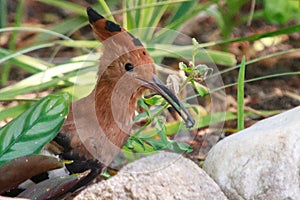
pixel 46 49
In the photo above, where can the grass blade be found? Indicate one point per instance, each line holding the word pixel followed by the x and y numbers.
pixel 66 27
pixel 5 71
pixel 181 10
pixel 53 77
pixel 67 5
pixel 219 57
pixel 27 63
pixel 240 95
pixel 106 10
pixel 288 30
pixel 3 13
pixel 13 111
pixel 35 29
pixel 25 50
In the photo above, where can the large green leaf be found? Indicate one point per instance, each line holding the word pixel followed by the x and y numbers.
pixel 28 133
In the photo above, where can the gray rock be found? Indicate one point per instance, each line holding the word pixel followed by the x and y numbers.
pixel 261 162
pixel 160 176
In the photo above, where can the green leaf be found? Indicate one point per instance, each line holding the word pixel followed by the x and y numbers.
pixel 182 8
pixel 28 133
pixel 179 147
pixel 200 121
pixel 142 104
pixel 183 67
pixel 157 144
pixel 154 100
pixel 195 109
pixel 280 12
pixel 159 124
pixel 144 114
pixel 137 148
pixel 172 145
pixel 129 142
pixel 202 72
pixel 200 90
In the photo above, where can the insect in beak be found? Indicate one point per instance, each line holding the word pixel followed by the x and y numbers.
pixel 158 86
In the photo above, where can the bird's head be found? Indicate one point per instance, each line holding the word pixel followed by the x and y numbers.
pixel 126 62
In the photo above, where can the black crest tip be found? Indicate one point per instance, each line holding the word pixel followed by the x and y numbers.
pixel 93 15
pixel 112 27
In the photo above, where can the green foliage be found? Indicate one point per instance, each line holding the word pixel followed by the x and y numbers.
pixel 196 73
pixel 12 44
pixel 40 120
pixel 225 15
pixel 229 15
pixel 152 144
pixel 159 140
pixel 282 11
pixel 28 133
pixel 137 15
pixel 3 13
pixel 282 31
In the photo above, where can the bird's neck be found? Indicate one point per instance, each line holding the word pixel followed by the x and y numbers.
pixel 114 110
pixel 102 121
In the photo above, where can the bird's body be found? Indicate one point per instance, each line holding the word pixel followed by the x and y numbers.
pixel 98 125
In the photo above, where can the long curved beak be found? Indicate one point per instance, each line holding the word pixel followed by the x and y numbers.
pixel 158 86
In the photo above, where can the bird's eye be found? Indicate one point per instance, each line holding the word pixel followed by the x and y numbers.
pixel 129 67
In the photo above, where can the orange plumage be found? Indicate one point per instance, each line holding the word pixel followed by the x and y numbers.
pixel 98 125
